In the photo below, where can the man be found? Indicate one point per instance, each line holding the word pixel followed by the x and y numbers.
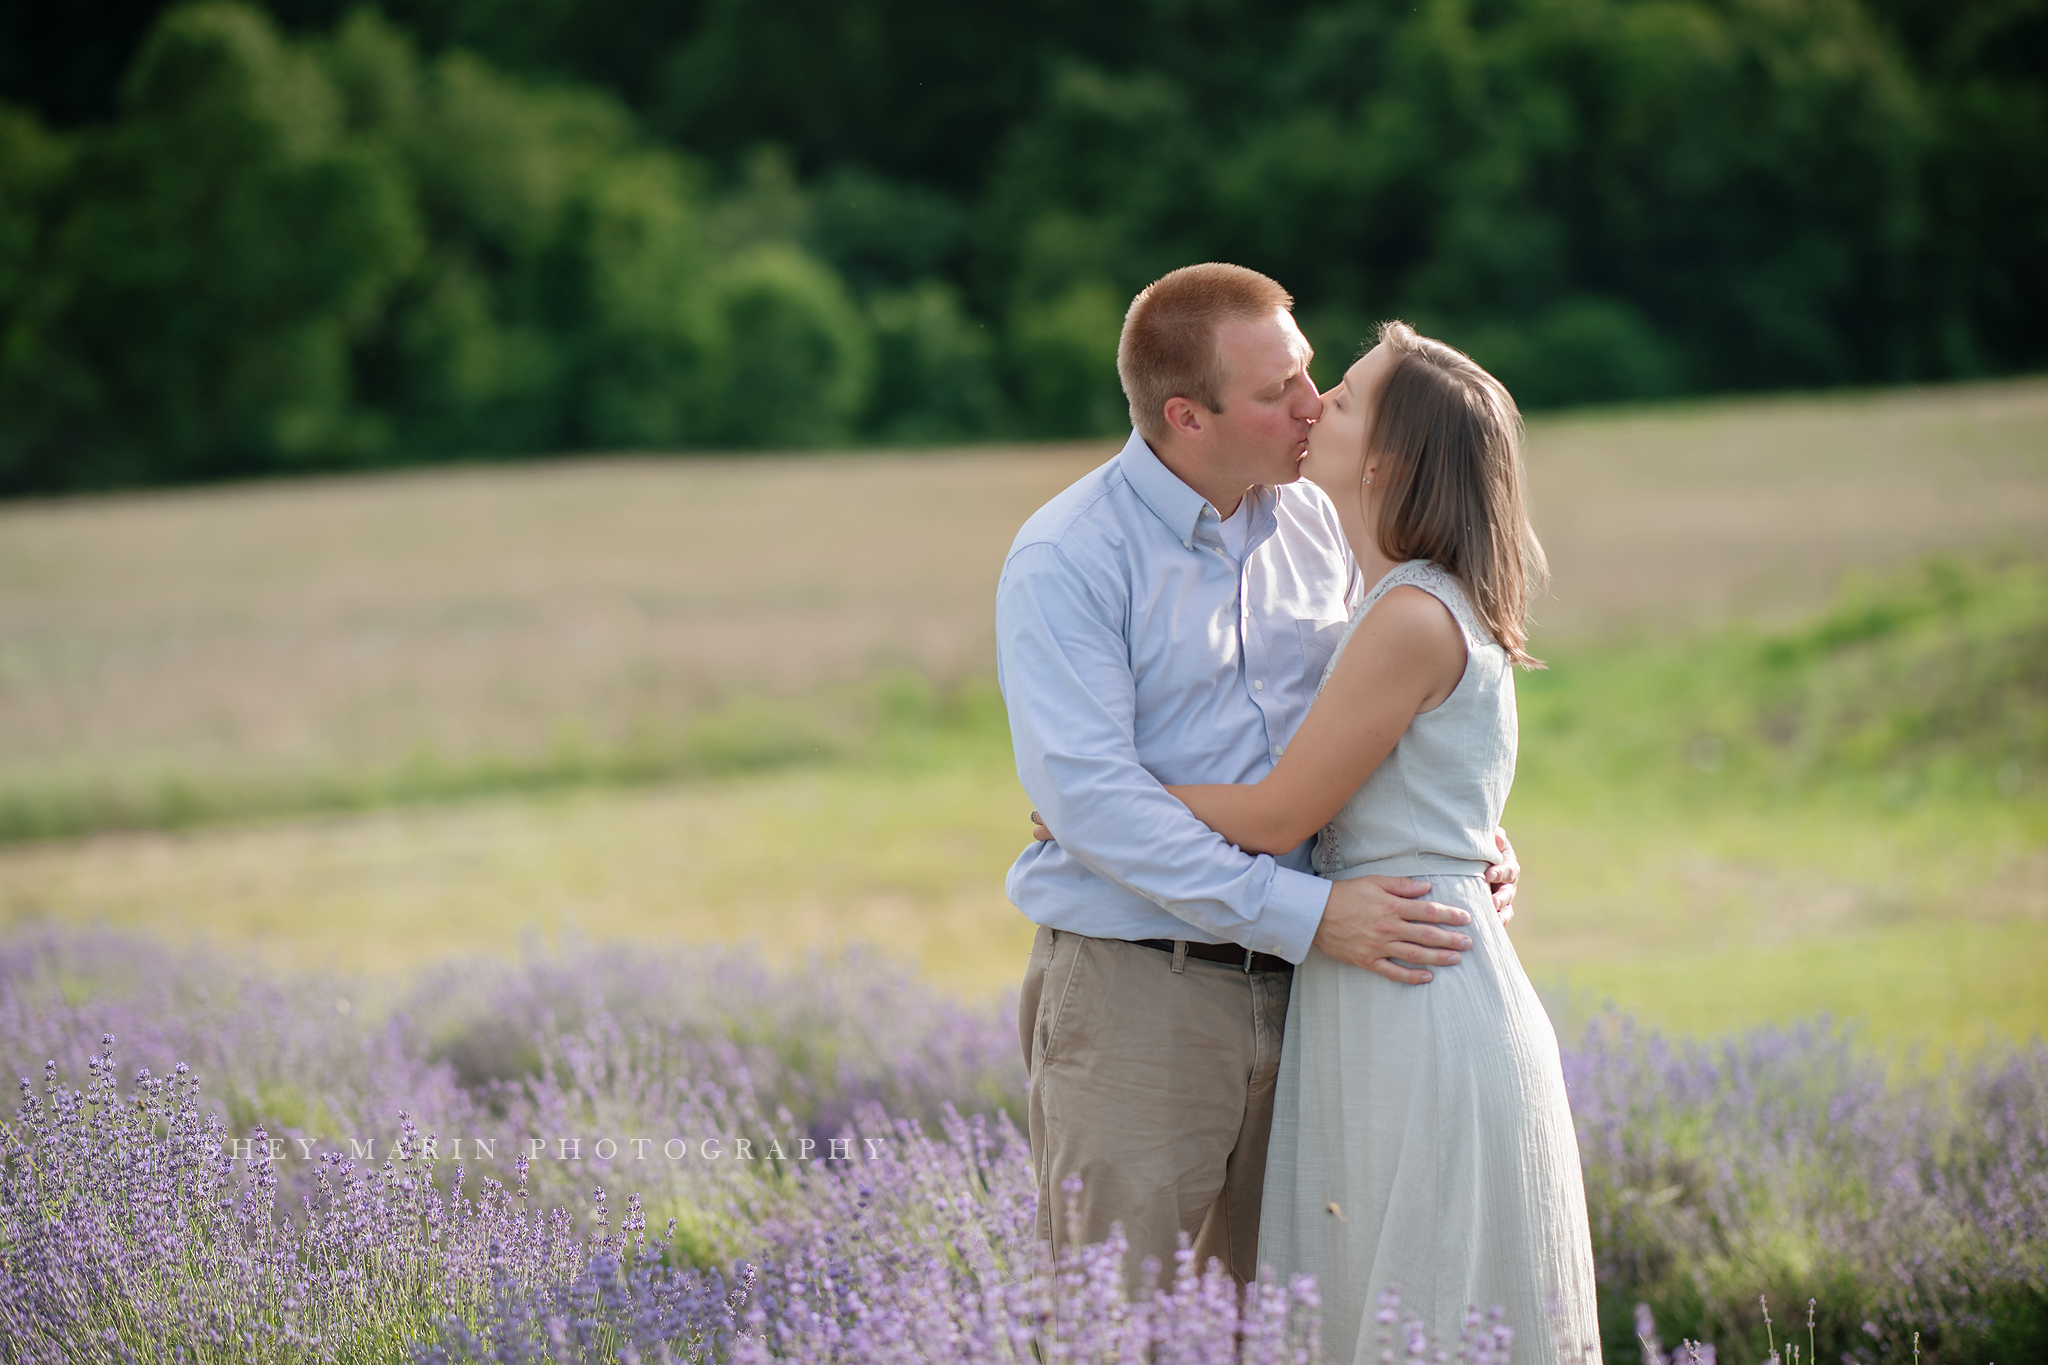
pixel 1167 620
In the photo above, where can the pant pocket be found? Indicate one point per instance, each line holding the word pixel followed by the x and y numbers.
pixel 1063 969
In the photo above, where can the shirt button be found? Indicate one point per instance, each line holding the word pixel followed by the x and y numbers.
pixel 1257 685
pixel 1277 748
pixel 1187 545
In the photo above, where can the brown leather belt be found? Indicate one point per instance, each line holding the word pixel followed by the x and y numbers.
pixel 1244 959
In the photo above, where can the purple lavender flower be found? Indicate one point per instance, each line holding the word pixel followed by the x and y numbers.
pixel 366 1185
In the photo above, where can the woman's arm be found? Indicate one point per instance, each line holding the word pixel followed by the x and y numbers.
pixel 1405 658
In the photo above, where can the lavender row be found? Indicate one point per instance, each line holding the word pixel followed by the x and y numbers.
pixel 778 1120
pixel 130 1232
pixel 1789 1165
pixel 667 1048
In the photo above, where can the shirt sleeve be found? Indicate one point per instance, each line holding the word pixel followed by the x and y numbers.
pixel 1064 665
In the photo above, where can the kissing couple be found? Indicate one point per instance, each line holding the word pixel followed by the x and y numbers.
pixel 1259 670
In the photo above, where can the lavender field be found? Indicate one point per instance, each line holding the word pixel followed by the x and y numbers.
pixel 616 1154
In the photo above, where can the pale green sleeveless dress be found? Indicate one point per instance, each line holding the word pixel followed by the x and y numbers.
pixel 1422 1142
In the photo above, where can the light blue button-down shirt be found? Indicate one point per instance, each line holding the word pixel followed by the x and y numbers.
pixel 1134 651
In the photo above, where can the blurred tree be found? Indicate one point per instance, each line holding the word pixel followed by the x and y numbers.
pixel 935 376
pixel 1619 199
pixel 1063 352
pixel 1984 70
pixel 563 300
pixel 336 253
pixel 881 234
pixel 797 352
pixel 219 250
pixel 925 218
pixel 33 168
pixel 65 62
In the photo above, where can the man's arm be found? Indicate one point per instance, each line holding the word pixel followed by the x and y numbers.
pixel 1067 683
pixel 1503 876
pixel 1072 700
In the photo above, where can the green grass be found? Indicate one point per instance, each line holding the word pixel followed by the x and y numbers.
pixel 896 720
pixel 1931 987
pixel 1844 817
pixel 1932 684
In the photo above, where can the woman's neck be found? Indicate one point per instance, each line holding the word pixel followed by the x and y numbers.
pixel 1365 547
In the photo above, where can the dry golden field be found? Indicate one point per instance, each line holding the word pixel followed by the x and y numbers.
pixel 339 623
pixel 325 626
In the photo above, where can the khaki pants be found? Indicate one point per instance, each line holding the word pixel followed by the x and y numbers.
pixel 1156 1088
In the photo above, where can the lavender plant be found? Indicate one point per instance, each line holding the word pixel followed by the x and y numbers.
pixel 586 1045
pixel 829 1161
pixel 130 1230
pixel 1788 1161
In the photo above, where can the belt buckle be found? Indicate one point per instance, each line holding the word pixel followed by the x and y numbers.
pixel 1248 956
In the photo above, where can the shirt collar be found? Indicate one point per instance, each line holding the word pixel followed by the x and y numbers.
pixel 1180 506
pixel 1160 489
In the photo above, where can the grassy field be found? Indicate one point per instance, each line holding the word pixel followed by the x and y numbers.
pixel 684 699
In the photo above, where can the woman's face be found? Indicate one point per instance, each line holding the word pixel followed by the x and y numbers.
pixel 1336 444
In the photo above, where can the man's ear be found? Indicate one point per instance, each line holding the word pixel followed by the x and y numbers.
pixel 1184 417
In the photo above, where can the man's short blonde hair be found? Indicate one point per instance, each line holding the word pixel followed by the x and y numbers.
pixel 1168 348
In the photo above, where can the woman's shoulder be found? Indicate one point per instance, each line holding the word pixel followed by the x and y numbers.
pixel 1425 578
pixel 1408 615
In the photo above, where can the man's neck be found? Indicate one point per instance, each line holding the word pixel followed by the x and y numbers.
pixel 1222 491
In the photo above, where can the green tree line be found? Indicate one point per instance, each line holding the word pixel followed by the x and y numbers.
pixel 240 240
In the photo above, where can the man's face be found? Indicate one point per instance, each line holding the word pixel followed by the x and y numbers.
pixel 1269 402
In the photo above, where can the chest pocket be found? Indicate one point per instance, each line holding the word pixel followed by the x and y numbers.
pixel 1319 640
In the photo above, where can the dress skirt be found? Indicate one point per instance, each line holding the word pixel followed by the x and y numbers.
pixel 1423 1144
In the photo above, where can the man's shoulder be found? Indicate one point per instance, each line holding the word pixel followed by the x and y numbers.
pixel 1067 522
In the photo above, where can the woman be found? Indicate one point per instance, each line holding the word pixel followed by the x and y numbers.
pixel 1421 1138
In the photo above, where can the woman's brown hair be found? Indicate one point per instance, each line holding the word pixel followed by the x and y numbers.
pixel 1449 440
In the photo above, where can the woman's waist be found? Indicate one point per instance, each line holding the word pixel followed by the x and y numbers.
pixel 1412 865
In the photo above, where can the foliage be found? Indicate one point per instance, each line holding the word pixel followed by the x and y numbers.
pixel 132 1228
pixel 262 253
pixel 375 258
pixel 204 271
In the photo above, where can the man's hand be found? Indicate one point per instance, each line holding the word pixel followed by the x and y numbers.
pixel 1040 832
pixel 1370 921
pixel 1503 874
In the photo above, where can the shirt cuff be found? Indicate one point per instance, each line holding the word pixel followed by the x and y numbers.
pixel 1292 914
